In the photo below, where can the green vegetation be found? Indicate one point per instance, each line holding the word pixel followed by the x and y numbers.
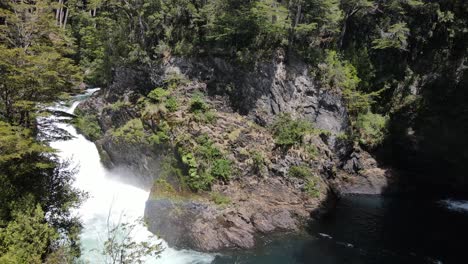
pixel 88 125
pixel 289 132
pixel 221 169
pixel 158 95
pixel 117 105
pixel 132 132
pixel 311 188
pixel 372 129
pixel 171 104
pixel 258 161
pixel 198 104
pixel 299 172
pixel 400 59
pixel 26 237
pixel 219 198
pixel 205 163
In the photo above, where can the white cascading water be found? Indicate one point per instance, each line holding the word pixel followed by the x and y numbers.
pixel 108 198
pixel 456 205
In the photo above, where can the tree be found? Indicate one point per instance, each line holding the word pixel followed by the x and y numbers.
pixel 27 237
pixel 121 246
pixel 395 37
pixel 34 67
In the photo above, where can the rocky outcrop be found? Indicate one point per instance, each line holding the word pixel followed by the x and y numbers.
pixel 260 199
pixel 258 207
pixel 264 90
pixel 361 174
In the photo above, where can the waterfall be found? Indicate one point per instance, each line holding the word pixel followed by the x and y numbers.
pixel 108 198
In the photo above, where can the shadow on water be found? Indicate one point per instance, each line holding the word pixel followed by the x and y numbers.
pixel 371 229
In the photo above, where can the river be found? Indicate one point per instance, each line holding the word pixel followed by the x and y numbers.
pixel 362 229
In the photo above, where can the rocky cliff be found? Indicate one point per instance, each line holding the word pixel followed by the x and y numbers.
pixel 261 188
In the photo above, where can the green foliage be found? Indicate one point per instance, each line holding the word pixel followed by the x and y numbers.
pixel 219 199
pixel 117 105
pixel 205 164
pixel 198 104
pixel 132 132
pixel 221 169
pixel 121 246
pixel 395 37
pixel 162 135
pixel 158 95
pixel 312 151
pixel 337 74
pixel 171 104
pixel 372 129
pixel 299 172
pixel 289 132
pixel 89 126
pixel 162 188
pixel 26 238
pixel 207 117
pixel 34 67
pixel 311 188
pixel 258 161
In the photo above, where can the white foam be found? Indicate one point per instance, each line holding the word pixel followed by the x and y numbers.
pixel 455 205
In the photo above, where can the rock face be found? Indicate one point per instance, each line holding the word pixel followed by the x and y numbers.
pixel 259 207
pixel 266 89
pixel 261 200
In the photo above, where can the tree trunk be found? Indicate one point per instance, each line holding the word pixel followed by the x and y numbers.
pixel 57 12
pixel 66 18
pixel 343 32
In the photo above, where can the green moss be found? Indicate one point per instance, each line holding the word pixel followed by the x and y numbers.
pixel 299 172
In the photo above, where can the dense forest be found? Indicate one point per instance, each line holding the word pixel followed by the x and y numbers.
pixel 400 65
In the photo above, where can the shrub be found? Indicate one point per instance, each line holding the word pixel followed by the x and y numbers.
pixel 88 125
pixel 162 188
pixel 372 129
pixel 221 169
pixel 205 163
pixel 171 104
pixel 117 105
pixel 312 151
pixel 311 188
pixel 336 73
pixel 207 117
pixel 132 131
pixel 158 95
pixel 258 160
pixel 288 132
pixel 299 172
pixel 198 104
pixel 162 135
